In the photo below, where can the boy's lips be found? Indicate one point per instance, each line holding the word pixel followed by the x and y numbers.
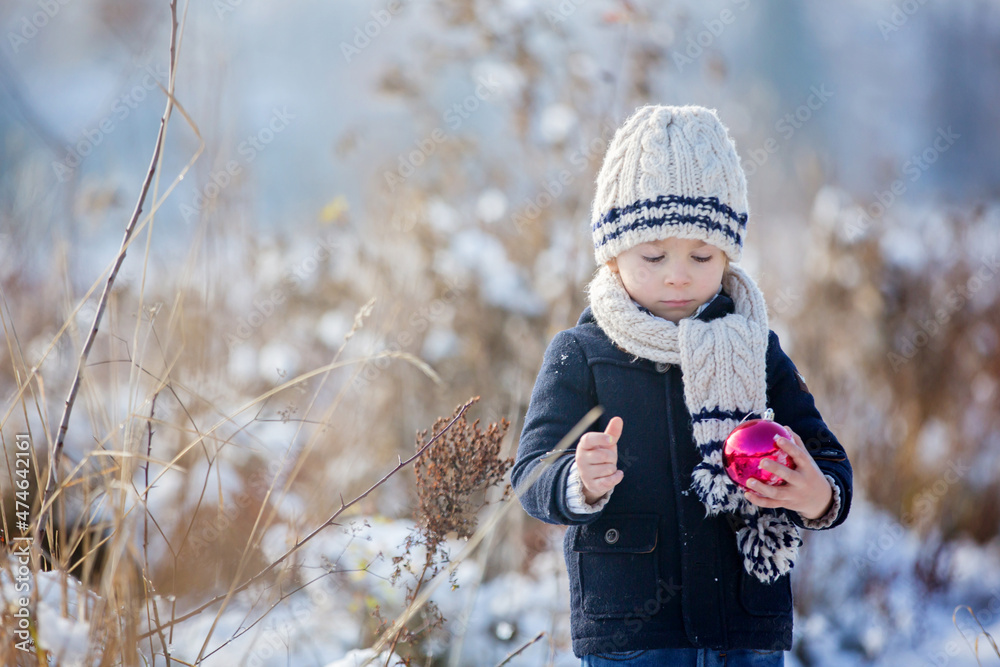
pixel 676 304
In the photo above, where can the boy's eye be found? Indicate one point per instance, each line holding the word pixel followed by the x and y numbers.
pixel 654 260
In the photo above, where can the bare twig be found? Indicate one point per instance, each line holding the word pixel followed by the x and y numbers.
pixel 245 629
pixel 399 632
pixel 150 599
pixel 53 474
pixel 513 655
pixel 298 545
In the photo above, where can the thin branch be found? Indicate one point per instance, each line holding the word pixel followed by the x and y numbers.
pixel 329 522
pixel 399 632
pixel 513 655
pixel 53 476
pixel 243 630
pixel 147 582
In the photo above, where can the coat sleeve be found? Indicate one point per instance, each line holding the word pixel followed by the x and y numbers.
pixel 563 393
pixel 794 406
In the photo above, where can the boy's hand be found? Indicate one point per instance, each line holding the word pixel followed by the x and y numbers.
pixel 807 491
pixel 597 461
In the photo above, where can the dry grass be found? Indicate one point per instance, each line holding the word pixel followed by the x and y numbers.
pixel 906 358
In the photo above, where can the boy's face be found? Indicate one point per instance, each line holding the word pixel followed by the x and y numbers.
pixel 671 277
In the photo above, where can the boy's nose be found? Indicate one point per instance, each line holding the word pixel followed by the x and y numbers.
pixel 676 276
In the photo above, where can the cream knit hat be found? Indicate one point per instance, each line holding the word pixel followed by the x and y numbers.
pixel 670 171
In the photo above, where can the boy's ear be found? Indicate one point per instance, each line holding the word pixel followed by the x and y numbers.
pixel 613 264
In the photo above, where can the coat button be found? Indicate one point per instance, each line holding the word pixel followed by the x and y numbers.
pixel 662 367
pixel 611 536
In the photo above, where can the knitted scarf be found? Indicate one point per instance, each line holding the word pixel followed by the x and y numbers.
pixel 724 381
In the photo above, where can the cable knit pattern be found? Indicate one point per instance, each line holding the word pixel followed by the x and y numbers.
pixel 724 366
pixel 675 167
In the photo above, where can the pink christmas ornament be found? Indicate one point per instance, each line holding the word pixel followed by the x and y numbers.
pixel 750 443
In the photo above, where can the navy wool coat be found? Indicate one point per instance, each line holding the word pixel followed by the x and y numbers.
pixel 651 570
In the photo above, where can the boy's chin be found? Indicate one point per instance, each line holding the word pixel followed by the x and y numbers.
pixel 674 315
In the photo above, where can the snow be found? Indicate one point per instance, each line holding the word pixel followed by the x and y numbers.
pixel 904 248
pixel 66 636
pixel 242 362
pixel 500 279
pixel 491 205
pixel 442 216
pixel 507 78
pixel 271 265
pixel 557 122
pixel 359 658
pixel 892 624
pixel 439 344
pixel 933 442
pixel 332 327
pixel 278 362
pixel 67 639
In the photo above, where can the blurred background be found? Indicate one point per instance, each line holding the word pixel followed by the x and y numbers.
pixel 439 157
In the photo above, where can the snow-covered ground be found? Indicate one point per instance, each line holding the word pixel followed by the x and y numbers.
pixel 861 581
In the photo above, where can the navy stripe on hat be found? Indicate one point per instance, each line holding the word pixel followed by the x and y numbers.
pixel 707 212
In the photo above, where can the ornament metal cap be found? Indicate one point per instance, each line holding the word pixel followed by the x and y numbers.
pixel 768 415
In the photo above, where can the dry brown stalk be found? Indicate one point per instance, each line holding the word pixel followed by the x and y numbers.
pixel 457 470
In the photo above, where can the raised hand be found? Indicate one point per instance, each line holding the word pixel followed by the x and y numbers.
pixel 597 461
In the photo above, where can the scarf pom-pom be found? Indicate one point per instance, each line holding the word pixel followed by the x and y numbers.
pixel 715 489
pixel 769 546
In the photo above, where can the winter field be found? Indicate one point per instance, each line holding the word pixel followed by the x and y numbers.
pixel 324 246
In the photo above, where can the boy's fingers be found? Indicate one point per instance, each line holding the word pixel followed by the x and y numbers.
pixel 597 455
pixel 762 501
pixel 774 468
pixel 614 429
pixel 594 456
pixel 794 448
pixel 603 471
pixel 594 441
pixel 764 490
pixel 779 470
pixel 609 481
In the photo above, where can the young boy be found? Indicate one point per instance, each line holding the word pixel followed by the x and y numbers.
pixel 671 562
